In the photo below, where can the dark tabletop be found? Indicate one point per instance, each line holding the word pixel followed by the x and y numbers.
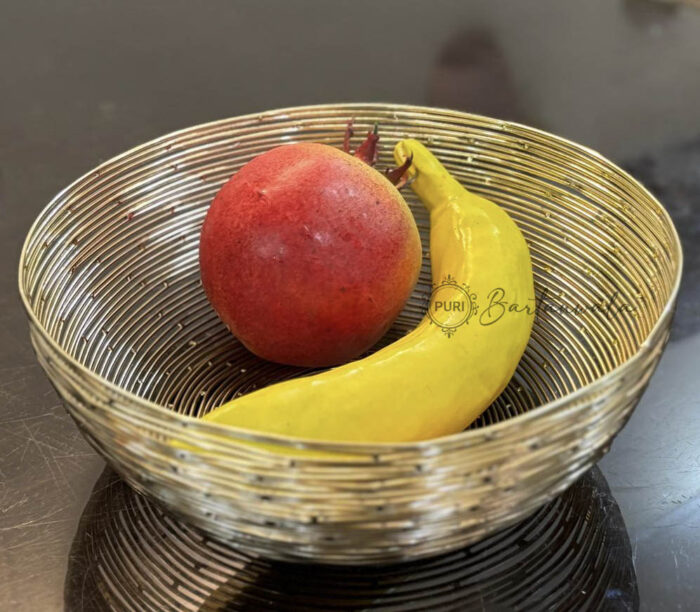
pixel 81 81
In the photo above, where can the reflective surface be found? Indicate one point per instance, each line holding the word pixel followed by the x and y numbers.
pixel 572 554
pixel 81 81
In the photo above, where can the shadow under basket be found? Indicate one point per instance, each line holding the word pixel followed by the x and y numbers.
pixel 110 281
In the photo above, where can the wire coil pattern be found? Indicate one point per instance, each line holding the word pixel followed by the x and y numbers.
pixel 572 554
pixel 109 278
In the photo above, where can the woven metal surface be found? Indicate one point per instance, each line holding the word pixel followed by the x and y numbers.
pixel 109 277
pixel 571 554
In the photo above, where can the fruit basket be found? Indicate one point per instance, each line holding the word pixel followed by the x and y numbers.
pixel 110 282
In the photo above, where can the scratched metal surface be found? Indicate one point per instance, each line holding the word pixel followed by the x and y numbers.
pixel 82 81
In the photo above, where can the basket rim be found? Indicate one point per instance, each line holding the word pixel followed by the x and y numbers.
pixel 232 434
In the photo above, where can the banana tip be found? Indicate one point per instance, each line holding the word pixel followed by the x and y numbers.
pixel 405 151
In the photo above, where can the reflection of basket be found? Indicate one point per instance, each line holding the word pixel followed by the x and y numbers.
pixel 109 278
pixel 128 555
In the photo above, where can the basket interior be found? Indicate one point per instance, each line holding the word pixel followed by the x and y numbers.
pixel 111 270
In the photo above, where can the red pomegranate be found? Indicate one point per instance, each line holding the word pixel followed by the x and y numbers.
pixel 308 253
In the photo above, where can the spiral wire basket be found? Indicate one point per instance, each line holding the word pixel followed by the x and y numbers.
pixel 110 282
pixel 571 554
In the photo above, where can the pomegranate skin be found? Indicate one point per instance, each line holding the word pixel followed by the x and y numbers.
pixel 308 254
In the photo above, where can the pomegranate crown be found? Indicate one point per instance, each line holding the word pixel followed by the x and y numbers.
pixel 367 152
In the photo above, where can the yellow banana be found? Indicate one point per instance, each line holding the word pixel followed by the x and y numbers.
pixel 438 378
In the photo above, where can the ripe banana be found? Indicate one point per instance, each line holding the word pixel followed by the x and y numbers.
pixel 429 383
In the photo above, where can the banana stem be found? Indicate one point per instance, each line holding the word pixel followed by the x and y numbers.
pixel 430 180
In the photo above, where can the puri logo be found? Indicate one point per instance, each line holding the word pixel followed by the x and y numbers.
pixel 451 305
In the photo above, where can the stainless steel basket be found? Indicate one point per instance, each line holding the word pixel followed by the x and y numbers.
pixel 110 282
